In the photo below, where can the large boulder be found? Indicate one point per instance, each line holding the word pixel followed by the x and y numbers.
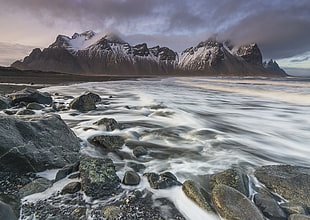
pixel 291 182
pixel 193 191
pixel 98 177
pixel 85 102
pixel 232 177
pixel 231 204
pixel 29 95
pixel 36 143
pixel 6 212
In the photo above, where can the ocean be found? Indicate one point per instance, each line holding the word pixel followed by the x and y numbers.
pixel 198 126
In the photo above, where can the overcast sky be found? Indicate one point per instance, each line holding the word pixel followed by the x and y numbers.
pixel 280 27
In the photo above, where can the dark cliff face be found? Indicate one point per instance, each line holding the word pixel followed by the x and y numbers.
pixel 251 54
pixel 90 53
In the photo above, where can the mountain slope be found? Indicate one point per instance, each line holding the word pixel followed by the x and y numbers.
pixel 91 53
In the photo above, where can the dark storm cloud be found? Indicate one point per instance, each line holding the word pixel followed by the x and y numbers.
pixel 281 28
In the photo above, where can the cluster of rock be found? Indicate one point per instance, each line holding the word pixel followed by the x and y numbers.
pixel 34 143
pixel 91 53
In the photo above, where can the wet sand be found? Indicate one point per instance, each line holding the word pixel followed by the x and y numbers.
pixel 12 80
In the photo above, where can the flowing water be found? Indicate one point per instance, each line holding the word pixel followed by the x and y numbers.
pixel 193 127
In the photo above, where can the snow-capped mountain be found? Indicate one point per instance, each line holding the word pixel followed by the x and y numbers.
pixel 102 53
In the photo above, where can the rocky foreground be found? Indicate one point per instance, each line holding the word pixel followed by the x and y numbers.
pixel 33 138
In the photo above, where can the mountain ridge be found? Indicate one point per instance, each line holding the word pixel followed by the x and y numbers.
pixel 107 53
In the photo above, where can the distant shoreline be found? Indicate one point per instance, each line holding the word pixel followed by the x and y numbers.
pixel 12 80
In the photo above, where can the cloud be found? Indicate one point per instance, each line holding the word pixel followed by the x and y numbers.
pixel 12 52
pixel 281 28
pixel 300 60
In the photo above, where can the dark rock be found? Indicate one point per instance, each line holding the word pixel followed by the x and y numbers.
pixel 231 204
pixel 197 194
pixel 299 217
pixel 111 212
pixel 232 177
pixel 293 208
pixel 291 182
pixel 162 181
pixel 98 177
pixel 66 170
pixel 36 143
pixel 269 207
pixel 109 123
pixel 4 102
pixel 34 106
pixel 131 178
pixel 139 151
pixel 25 112
pixel 86 102
pixel 6 212
pixel 136 166
pixel 36 186
pixel 71 188
pixel 108 142
pixel 29 95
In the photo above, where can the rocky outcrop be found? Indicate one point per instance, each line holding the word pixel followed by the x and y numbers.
pixel 98 177
pixel 36 143
pixel 231 204
pixel 91 53
pixel 291 182
pixel 29 95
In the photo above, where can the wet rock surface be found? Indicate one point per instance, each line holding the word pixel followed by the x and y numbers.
pixel 299 217
pixel 231 204
pixel 291 182
pixel 131 178
pixel 269 206
pixel 29 95
pixel 85 103
pixel 71 188
pixel 107 142
pixel 36 143
pixel 162 181
pixel 110 124
pixel 36 186
pixel 234 178
pixel 98 177
pixel 193 191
